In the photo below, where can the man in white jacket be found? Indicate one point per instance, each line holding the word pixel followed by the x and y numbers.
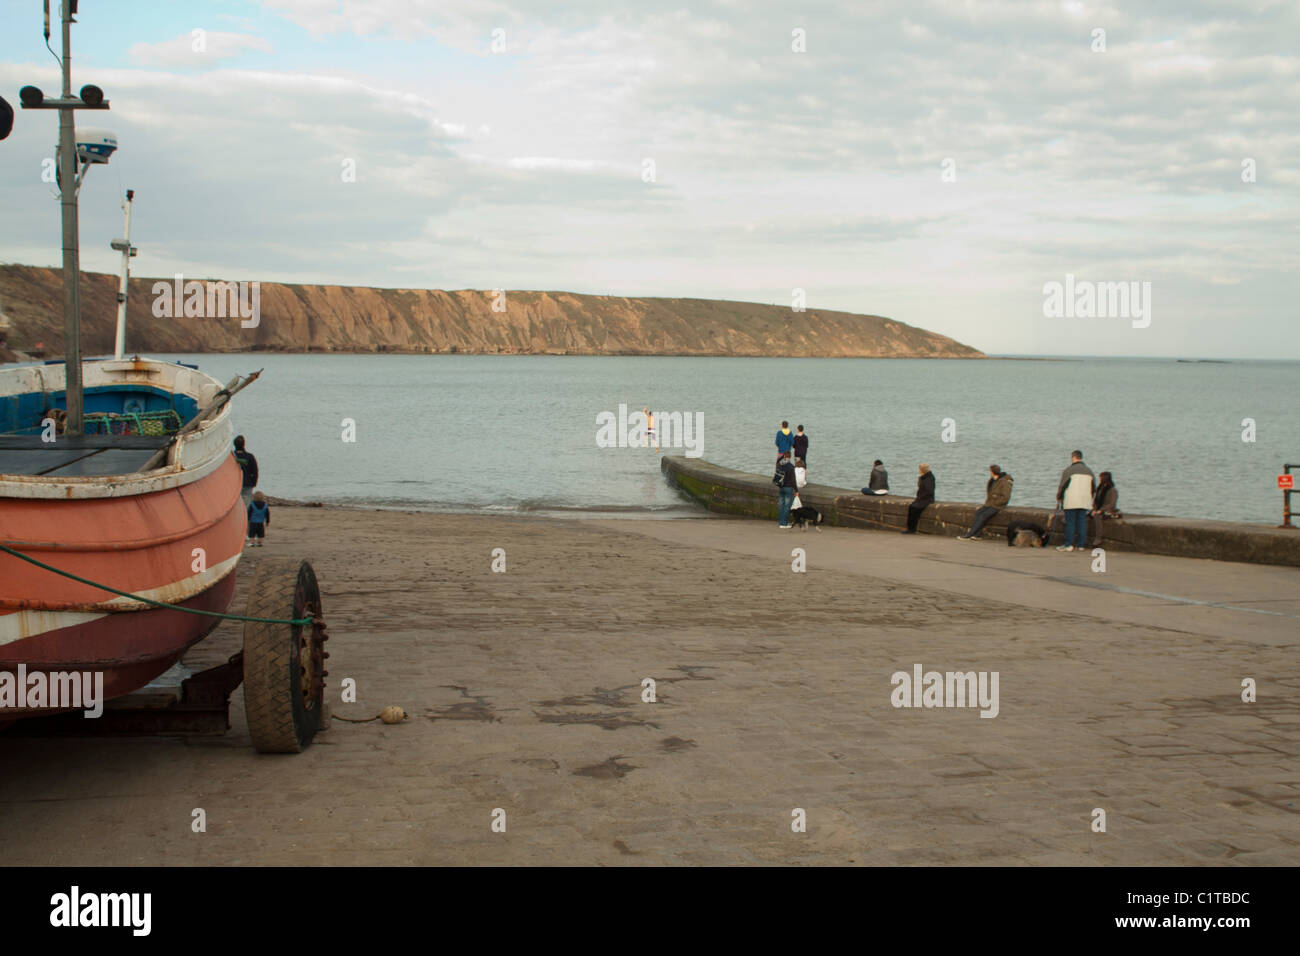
pixel 1074 494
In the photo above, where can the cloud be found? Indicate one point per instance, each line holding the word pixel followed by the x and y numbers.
pixel 773 169
pixel 199 49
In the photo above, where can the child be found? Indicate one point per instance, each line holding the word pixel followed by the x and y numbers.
pixel 800 479
pixel 259 516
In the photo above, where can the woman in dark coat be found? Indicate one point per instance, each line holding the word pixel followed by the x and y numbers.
pixel 924 496
pixel 1105 503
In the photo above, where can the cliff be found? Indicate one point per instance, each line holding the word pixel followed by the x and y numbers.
pixel 298 318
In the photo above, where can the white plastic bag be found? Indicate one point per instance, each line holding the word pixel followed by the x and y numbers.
pixel 796 503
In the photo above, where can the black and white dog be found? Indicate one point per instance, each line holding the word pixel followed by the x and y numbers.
pixel 801 517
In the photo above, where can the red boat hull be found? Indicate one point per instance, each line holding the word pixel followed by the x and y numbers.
pixel 146 644
pixel 179 546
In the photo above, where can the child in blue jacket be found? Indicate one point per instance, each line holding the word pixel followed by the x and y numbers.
pixel 259 516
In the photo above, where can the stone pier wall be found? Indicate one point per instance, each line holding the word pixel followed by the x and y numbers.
pixel 740 493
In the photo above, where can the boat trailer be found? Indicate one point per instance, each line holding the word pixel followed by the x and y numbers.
pixel 281 665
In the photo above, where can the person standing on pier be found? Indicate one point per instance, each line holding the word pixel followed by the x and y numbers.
pixel 784 441
pixel 1074 495
pixel 800 444
pixel 924 498
pixel 786 487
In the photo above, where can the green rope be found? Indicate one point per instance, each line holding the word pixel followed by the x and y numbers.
pixel 145 600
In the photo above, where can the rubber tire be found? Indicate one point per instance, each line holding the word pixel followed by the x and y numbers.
pixel 278 720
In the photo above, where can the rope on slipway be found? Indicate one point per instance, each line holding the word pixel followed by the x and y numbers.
pixel 144 600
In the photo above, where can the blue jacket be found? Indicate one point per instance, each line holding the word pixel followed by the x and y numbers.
pixel 259 512
pixel 784 443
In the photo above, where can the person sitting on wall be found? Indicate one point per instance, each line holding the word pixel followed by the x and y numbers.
pixel 924 498
pixel 878 483
pixel 1105 502
pixel 997 494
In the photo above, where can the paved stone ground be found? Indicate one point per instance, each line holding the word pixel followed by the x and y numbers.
pixel 773 694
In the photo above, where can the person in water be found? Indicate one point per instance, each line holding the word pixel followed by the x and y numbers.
pixel 649 427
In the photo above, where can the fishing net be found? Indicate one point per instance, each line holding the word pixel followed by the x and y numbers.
pixel 165 422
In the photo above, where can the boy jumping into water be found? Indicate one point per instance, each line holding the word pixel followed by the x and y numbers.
pixel 649 428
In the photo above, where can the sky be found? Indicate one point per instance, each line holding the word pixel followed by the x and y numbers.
pixel 940 162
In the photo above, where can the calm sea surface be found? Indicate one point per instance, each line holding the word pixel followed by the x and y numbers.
pixel 518 433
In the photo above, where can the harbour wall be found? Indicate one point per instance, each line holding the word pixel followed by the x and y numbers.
pixel 740 493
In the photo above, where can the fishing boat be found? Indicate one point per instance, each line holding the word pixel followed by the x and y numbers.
pixel 133 504
pixel 112 541
pixel 122 527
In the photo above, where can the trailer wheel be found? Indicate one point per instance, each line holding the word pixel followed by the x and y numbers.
pixel 284 675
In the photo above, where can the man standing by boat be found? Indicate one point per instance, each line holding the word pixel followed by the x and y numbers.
pixel 248 465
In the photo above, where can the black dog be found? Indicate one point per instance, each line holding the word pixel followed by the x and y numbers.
pixel 1015 527
pixel 806 515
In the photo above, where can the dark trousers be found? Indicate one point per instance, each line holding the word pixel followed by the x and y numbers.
pixel 1076 526
pixel 914 514
pixel 1097 523
pixel 982 517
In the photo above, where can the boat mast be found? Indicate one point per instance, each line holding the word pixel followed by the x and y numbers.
pixel 71 252
pixel 91 98
pixel 124 246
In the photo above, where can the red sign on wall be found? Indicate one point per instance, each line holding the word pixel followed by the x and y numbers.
pixel 1286 482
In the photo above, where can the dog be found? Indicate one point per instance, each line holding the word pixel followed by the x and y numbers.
pixel 806 515
pixel 1026 534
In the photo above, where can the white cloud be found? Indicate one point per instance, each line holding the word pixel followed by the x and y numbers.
pixel 773 169
pixel 199 49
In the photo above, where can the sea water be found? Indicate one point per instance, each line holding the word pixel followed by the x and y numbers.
pixel 505 434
